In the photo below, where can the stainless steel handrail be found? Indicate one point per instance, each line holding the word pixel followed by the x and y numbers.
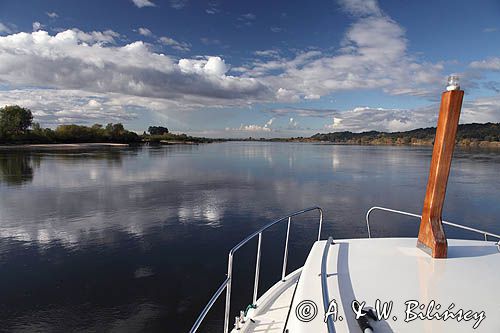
pixel 324 286
pixel 485 233
pixel 209 305
pixel 227 283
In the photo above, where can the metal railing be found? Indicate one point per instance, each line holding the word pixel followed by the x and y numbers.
pixel 226 285
pixel 324 286
pixel 484 233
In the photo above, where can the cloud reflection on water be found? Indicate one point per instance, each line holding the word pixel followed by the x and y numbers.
pixel 66 195
pixel 117 235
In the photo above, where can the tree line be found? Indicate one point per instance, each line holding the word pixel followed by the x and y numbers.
pixel 17 127
pixel 466 134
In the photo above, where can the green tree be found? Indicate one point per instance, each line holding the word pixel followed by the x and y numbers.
pixel 96 127
pixel 15 120
pixel 157 130
pixel 36 128
pixel 115 131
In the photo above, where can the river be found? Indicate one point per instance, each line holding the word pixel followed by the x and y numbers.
pixel 136 239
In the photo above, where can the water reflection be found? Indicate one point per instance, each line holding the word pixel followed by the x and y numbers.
pixel 103 240
pixel 17 168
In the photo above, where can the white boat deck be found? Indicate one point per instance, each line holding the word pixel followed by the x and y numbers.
pixel 390 269
pixel 273 307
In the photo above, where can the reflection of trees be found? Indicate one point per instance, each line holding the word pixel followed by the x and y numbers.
pixel 112 157
pixel 164 150
pixel 17 168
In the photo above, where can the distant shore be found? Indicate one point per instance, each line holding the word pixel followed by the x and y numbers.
pixel 97 145
pixel 87 145
pixel 463 144
pixel 468 135
pixel 66 146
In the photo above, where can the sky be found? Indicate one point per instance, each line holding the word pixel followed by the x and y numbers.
pixel 249 68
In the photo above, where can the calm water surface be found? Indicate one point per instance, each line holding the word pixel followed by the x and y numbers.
pixel 136 240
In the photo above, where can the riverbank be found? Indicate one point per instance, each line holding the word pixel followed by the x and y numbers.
pixel 380 142
pixel 64 146
pixel 98 145
pixel 462 144
pixel 468 135
pixel 91 145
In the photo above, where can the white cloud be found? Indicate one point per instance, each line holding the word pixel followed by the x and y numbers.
pixel 372 55
pixel 213 8
pixel 4 29
pixel 94 104
pixel 37 26
pixel 102 37
pixel 276 29
pixel 211 66
pixel 361 7
pixel 52 107
pixel 75 60
pixel 210 41
pixel 178 4
pixel 269 123
pixel 180 46
pixel 490 29
pixel 246 19
pixel 488 64
pixel 216 66
pixel 145 32
pixel 52 15
pixel 363 119
pixel 312 96
pixel 292 123
pixel 492 85
pixel 143 3
pixel 336 123
pixel 249 16
pixel 286 95
pixel 267 53
pixel 302 112
pixel 253 128
pixel 481 110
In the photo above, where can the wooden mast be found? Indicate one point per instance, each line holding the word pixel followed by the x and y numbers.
pixel 431 237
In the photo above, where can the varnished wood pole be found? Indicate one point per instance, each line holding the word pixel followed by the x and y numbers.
pixel 431 237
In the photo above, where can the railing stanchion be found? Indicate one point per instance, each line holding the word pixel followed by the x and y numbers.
pixel 227 283
pixel 207 308
pixel 285 255
pixel 228 291
pixel 459 226
pixel 368 222
pixel 324 285
pixel 257 271
pixel 320 222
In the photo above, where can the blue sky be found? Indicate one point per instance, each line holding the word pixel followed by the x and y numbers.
pixel 249 68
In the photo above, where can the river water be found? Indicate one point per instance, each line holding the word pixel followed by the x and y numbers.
pixel 136 239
